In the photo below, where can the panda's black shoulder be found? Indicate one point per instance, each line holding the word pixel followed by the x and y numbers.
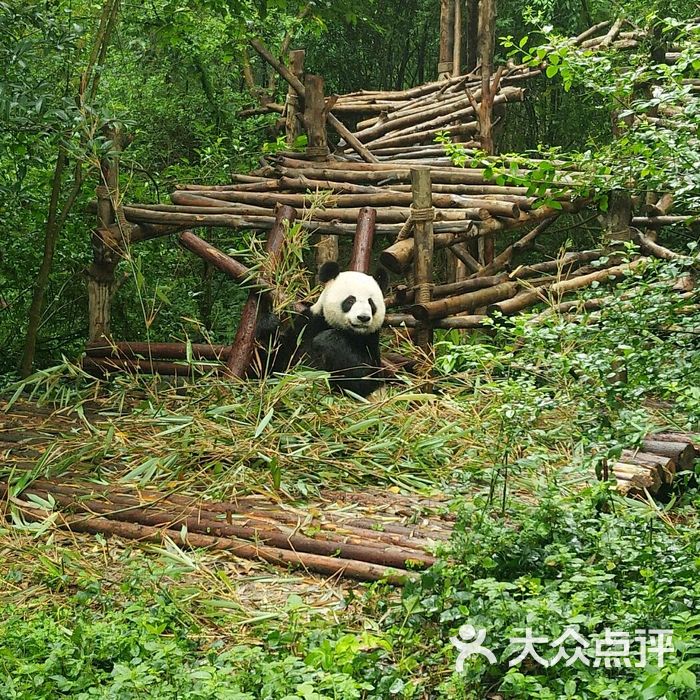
pixel 315 323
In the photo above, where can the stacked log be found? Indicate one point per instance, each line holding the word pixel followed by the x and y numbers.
pixel 251 529
pixel 652 467
pixel 464 199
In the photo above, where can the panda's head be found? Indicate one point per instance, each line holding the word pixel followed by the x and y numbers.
pixel 351 301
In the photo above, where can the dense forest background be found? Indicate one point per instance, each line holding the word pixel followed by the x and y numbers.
pixel 176 74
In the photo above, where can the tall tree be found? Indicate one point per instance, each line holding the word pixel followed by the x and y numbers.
pixel 84 88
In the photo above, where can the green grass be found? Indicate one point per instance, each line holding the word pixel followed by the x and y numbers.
pixel 517 423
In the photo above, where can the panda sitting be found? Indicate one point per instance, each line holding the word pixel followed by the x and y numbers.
pixel 342 333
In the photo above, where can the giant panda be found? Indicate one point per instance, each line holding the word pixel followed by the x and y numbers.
pixel 339 333
pixel 342 336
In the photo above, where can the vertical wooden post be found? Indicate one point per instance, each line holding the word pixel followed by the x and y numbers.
pixel 447 18
pixel 423 215
pixel 105 245
pixel 317 149
pixel 618 218
pixel 489 88
pixel 315 117
pixel 472 34
pixel 293 114
pixel 364 237
pixel 457 40
pixel 243 346
pixel 451 65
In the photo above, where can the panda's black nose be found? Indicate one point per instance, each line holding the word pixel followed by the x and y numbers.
pixel 363 318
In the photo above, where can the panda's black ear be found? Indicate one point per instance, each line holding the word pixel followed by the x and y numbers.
pixel 382 277
pixel 329 271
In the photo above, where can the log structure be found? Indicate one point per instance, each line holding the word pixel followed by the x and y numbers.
pixel 391 188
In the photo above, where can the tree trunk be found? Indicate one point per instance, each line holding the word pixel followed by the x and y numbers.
pixel 447 18
pixel 42 278
pixel 423 239
pixel 293 114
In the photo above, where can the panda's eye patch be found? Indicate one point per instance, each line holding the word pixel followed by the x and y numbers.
pixel 373 306
pixel 348 304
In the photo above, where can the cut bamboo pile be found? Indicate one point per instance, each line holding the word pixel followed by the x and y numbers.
pixel 652 468
pixel 330 544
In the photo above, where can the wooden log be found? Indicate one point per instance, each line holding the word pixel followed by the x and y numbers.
pixel 404 296
pixel 459 250
pixel 503 259
pixel 398 174
pixel 591 31
pixel 315 118
pixel 661 207
pixel 201 522
pixel 99 366
pixel 653 248
pixel 448 306
pixel 170 351
pixel 373 198
pixel 265 182
pixel 293 113
pixel 364 237
pixel 427 135
pixel 682 453
pixel 612 33
pixel 328 566
pixel 453 322
pixel 327 247
pixel 386 215
pixel 397 257
pixel 531 297
pixel 299 87
pixel 470 190
pixel 451 113
pixel 242 349
pixel 173 222
pixel 564 263
pixel 665 466
pixel 218 259
pixel 422 213
pixel 641 477
pixel 435 117
pixel 659 221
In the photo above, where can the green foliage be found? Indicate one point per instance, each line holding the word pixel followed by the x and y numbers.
pixel 648 154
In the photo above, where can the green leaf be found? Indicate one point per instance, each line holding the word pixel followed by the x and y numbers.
pixel 263 423
pixel 551 71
